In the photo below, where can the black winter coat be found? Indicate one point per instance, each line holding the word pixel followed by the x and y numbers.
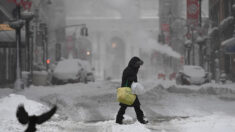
pixel 129 75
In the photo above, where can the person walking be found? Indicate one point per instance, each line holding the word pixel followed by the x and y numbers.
pixel 128 77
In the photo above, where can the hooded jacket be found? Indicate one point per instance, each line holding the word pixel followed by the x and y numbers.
pixel 129 74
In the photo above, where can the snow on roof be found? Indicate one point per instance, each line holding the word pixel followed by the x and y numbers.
pixel 228 41
pixel 226 22
pixel 212 30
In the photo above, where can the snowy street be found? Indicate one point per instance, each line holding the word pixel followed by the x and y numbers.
pixel 92 107
pixel 77 65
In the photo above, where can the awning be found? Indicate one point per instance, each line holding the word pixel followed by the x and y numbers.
pixel 229 45
pixel 8 39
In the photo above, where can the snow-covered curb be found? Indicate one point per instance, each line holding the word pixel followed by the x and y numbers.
pixel 210 88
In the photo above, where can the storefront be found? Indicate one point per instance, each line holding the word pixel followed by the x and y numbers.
pixel 229 54
pixel 8 54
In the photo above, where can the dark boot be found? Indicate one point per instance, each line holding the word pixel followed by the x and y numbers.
pixel 140 115
pixel 120 114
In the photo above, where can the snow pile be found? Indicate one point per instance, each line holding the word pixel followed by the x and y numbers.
pixel 9 123
pixel 208 88
pixel 8 106
pixel 136 127
pixel 215 123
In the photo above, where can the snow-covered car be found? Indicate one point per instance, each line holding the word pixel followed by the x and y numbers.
pixel 69 71
pixel 90 77
pixel 192 75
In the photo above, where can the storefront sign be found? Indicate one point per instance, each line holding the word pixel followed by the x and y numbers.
pixel 5 27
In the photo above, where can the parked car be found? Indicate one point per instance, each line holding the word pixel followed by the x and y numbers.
pixel 72 71
pixel 223 78
pixel 192 75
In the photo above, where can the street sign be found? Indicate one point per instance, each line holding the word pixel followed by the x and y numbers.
pixel 5 27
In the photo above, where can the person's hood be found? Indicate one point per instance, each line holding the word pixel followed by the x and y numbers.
pixel 134 61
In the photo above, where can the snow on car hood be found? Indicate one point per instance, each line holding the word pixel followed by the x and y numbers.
pixel 67 69
pixel 193 71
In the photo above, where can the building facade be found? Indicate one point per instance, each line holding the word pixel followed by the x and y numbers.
pixel 46 30
pixel 7 44
pixel 221 14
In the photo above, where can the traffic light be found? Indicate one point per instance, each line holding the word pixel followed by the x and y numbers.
pixel 48 61
pixel 84 31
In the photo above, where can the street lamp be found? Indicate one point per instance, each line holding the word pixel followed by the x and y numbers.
pixel 17 25
pixel 28 16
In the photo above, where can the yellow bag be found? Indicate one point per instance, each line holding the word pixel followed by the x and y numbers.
pixel 125 96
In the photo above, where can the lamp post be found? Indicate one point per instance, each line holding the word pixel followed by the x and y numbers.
pixel 28 16
pixel 17 25
pixel 187 45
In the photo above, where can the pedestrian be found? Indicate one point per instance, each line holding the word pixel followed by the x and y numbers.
pixel 129 76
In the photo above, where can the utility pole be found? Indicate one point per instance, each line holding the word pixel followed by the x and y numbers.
pixel 18 84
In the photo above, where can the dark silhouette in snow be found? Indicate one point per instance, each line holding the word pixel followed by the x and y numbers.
pixel 24 118
pixel 129 76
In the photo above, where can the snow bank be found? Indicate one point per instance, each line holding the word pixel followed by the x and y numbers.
pixel 9 123
pixel 8 106
pixel 208 88
pixel 215 123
